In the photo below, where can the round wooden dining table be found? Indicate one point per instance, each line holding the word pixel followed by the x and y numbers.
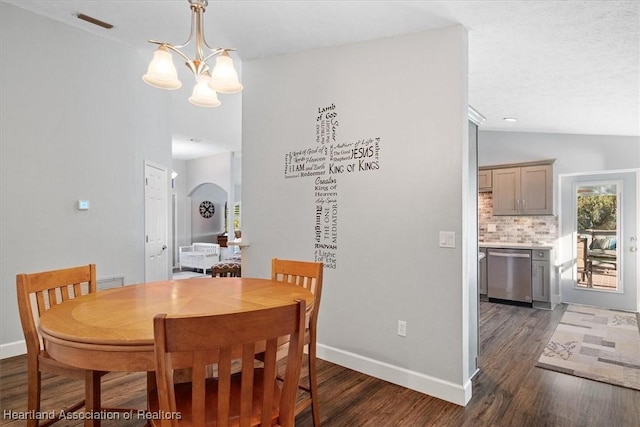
pixel 112 330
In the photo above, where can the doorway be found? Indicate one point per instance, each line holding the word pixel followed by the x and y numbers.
pixel 156 226
pixel 208 212
pixel 598 239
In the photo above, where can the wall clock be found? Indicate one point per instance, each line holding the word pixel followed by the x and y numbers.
pixel 207 209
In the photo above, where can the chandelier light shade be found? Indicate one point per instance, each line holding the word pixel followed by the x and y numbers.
pixel 223 78
pixel 161 72
pixel 203 95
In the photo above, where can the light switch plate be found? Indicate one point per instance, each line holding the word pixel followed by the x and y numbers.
pixel 447 239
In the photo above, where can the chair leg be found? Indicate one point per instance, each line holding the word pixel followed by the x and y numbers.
pixel 92 396
pixel 313 385
pixel 33 391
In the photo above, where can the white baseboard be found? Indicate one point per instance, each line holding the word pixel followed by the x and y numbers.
pixel 445 390
pixel 436 387
pixel 11 349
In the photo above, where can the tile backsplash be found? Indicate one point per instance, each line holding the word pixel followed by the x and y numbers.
pixel 514 229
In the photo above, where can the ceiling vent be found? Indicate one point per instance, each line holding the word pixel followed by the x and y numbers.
pixel 94 21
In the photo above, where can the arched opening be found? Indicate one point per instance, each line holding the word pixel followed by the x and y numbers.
pixel 207 205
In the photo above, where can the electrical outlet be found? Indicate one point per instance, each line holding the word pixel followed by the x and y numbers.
pixel 402 328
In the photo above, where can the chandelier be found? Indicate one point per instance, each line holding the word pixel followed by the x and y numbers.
pixel 223 78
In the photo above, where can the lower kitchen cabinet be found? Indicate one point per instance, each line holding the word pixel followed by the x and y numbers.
pixel 541 261
pixel 482 272
pixel 542 276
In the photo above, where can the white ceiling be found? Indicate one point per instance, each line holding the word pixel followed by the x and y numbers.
pixel 556 66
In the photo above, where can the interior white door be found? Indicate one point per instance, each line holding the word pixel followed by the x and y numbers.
pixel 156 222
pixel 626 296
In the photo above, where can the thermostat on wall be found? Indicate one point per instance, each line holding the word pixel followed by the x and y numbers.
pixel 83 205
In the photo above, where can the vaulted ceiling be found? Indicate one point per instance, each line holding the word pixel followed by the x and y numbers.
pixel 556 66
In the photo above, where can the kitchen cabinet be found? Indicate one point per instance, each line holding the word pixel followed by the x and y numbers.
pixel 542 276
pixel 540 270
pixel 525 190
pixel 482 272
pixel 485 180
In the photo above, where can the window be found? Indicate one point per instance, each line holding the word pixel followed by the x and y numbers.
pixel 597 219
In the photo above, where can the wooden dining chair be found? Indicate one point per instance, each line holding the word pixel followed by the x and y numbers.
pixel 226 269
pixel 48 289
pixel 252 396
pixel 308 275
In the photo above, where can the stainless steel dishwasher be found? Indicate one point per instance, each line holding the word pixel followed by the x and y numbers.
pixel 509 275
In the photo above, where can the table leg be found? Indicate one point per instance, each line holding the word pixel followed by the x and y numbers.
pixel 92 397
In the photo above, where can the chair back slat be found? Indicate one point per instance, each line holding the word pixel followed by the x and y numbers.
pixel 270 370
pixel 224 386
pixel 198 402
pixel 197 341
pixel 41 303
pixel 246 381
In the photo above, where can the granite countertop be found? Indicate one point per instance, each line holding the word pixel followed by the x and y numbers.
pixel 509 245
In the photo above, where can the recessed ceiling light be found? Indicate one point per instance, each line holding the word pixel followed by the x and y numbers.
pixel 509 119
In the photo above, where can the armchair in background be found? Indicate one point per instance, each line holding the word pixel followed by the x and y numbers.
pixel 200 256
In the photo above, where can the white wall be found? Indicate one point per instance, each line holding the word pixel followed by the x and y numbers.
pixel 182 233
pixel 411 92
pixel 76 123
pixel 207 230
pixel 573 153
pixel 214 169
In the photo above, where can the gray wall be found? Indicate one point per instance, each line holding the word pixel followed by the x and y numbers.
pixel 388 265
pixel 573 153
pixel 76 123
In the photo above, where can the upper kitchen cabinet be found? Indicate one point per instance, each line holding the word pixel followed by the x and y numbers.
pixel 525 189
pixel 484 180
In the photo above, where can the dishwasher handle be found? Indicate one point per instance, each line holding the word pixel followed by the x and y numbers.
pixel 510 254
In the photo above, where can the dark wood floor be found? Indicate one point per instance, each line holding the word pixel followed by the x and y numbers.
pixel 508 391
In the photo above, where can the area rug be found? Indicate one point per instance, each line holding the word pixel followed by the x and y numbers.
pixel 599 344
